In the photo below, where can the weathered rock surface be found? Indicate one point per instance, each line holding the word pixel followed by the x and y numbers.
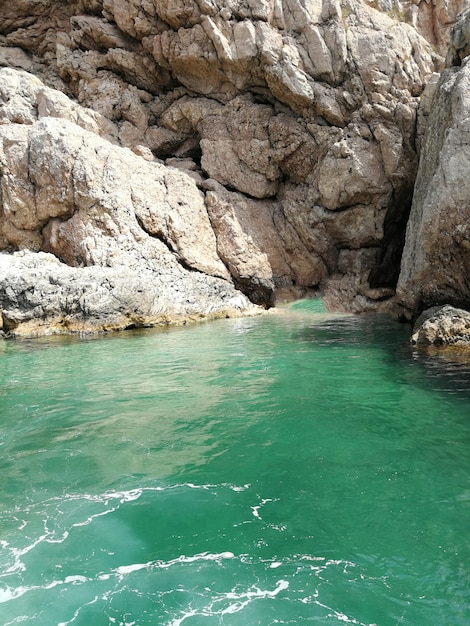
pixel 135 235
pixel 273 141
pixel 40 295
pixel 433 19
pixel 442 326
pixel 436 258
pixel 459 45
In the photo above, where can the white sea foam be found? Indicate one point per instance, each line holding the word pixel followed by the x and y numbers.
pixel 134 494
pixel 204 556
pixel 77 612
pixel 8 593
pixel 110 500
pixel 125 570
pixel 233 602
pixel 255 509
pixel 216 603
pixel 341 616
pixel 46 512
pixel 236 487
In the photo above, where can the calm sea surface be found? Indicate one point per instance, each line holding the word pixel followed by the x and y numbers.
pixel 287 469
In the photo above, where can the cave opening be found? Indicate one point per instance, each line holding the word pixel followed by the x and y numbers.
pixel 386 270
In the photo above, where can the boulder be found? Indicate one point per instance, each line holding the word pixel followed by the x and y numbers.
pixel 442 326
pixel 129 240
pixel 90 200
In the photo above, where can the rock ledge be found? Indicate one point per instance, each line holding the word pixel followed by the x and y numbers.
pixel 39 295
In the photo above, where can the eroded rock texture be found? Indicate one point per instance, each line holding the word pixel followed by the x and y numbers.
pixel 436 259
pixel 442 326
pixel 41 295
pixel 291 122
pixel 134 237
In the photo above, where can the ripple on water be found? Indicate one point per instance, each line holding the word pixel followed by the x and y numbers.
pixel 183 589
pixel 279 470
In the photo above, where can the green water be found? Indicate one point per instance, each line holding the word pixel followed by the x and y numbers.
pixel 284 469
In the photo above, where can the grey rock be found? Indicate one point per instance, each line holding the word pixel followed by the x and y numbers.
pixel 134 239
pixel 39 295
pixel 459 45
pixel 304 113
pixel 435 266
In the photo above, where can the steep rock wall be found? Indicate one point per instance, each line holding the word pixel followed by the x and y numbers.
pixel 436 258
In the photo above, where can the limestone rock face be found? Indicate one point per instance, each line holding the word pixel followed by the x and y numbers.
pixel 271 141
pixel 436 258
pixel 459 45
pixel 134 236
pixel 442 326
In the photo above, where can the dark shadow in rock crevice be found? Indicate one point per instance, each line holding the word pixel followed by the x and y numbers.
pixel 386 271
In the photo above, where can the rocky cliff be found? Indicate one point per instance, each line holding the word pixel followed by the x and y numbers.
pixel 199 149
pixel 436 260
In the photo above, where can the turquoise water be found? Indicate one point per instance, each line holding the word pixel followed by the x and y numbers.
pixel 285 469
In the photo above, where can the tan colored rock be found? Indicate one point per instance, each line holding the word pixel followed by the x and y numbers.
pixel 138 18
pixel 33 25
pixel 25 99
pixel 135 236
pixel 442 326
pixel 88 176
pixel 352 173
pixel 144 152
pixel 261 249
pixel 18 97
pixel 434 20
pixel 236 149
pixel 248 265
pixel 305 108
pixel 17 191
pixel 298 205
pixel 16 58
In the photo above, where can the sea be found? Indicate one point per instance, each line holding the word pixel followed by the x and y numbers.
pixel 298 467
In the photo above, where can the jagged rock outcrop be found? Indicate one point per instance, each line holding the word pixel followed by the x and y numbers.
pixel 134 236
pixel 436 259
pixel 432 19
pixel 292 125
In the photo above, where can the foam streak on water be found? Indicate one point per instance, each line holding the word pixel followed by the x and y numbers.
pixel 292 468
